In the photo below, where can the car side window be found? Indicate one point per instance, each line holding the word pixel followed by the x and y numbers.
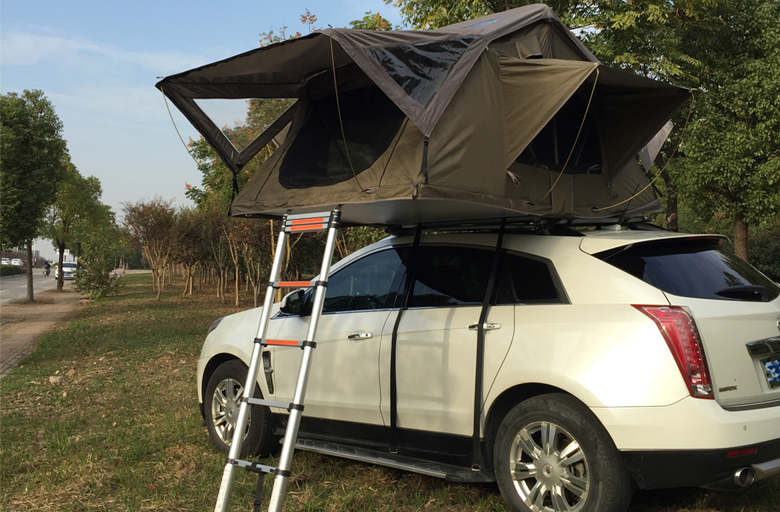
pixel 368 283
pixel 532 280
pixel 451 276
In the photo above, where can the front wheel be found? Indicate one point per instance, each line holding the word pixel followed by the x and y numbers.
pixel 552 455
pixel 222 402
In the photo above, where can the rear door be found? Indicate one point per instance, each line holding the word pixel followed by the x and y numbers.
pixel 437 345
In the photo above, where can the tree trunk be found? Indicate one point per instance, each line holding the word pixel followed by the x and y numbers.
pixel 741 236
pixel 60 261
pixel 671 202
pixel 238 285
pixel 160 277
pixel 30 294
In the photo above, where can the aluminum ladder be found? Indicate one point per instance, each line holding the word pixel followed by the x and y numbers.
pixel 291 224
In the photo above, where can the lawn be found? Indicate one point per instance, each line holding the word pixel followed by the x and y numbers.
pixel 122 431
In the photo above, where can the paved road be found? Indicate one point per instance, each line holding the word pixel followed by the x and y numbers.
pixel 15 287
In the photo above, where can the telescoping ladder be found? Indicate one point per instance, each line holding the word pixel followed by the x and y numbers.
pixel 290 224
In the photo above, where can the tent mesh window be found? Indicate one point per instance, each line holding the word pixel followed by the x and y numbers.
pixel 551 147
pixel 420 69
pixel 320 155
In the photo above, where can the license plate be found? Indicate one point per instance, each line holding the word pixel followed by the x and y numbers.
pixel 772 369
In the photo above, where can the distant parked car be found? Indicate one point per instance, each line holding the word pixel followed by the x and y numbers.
pixel 17 262
pixel 5 261
pixel 68 271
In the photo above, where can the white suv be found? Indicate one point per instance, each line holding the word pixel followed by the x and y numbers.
pixel 571 367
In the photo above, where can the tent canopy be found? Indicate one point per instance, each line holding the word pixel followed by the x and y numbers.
pixel 501 116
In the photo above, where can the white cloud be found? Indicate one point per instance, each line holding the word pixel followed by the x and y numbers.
pixel 26 49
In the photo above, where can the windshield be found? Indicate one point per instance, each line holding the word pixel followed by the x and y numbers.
pixel 693 268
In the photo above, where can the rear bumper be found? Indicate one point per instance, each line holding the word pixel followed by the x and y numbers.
pixel 700 468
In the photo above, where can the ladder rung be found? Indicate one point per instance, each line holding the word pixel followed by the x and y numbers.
pixel 294 284
pixel 273 403
pixel 286 343
pixel 308 222
pixel 259 468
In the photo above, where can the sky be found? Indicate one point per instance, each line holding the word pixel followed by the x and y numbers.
pixel 97 62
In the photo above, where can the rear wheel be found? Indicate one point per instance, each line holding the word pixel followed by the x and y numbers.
pixel 222 402
pixel 552 455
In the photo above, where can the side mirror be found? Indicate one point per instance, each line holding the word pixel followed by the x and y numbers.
pixel 293 302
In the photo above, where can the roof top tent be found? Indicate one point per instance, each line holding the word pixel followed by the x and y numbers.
pixel 507 115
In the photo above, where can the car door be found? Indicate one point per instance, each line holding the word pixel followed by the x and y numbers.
pixel 437 345
pixel 344 376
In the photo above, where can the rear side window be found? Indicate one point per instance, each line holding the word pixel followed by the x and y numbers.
pixel 451 276
pixel 532 281
pixel 693 268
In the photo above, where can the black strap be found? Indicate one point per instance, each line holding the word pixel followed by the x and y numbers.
pixel 424 167
pixel 410 257
pixel 479 384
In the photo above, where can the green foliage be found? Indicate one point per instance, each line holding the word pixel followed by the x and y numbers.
pixel 11 270
pixel 732 164
pixel 764 252
pixel 32 158
pixel 101 249
pixel 372 21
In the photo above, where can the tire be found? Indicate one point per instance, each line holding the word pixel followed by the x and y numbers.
pixel 551 454
pixel 221 405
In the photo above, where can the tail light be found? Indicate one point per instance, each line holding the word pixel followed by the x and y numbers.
pixel 679 330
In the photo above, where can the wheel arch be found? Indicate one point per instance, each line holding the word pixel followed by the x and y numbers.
pixel 209 370
pixel 507 400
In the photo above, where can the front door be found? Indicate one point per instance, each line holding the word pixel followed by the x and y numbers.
pixel 344 376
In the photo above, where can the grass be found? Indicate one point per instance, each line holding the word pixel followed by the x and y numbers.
pixel 122 430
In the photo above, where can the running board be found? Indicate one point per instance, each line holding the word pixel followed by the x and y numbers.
pixel 381 458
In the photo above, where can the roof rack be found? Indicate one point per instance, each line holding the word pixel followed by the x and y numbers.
pixel 527 224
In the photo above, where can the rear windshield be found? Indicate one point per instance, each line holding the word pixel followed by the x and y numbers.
pixel 693 268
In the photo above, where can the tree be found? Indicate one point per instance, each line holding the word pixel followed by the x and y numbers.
pixel 150 226
pixel 32 157
pixel 372 21
pixel 76 210
pixel 189 246
pixel 733 152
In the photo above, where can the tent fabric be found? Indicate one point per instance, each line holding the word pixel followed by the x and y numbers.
pixel 506 115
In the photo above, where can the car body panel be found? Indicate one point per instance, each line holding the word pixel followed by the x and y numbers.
pixel 726 327
pixel 436 365
pixel 234 337
pixel 621 363
pixel 689 424
pixel 344 376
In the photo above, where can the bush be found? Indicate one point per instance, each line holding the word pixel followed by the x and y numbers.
pixel 11 270
pixel 97 282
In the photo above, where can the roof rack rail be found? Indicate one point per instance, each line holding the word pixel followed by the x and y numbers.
pixel 527 224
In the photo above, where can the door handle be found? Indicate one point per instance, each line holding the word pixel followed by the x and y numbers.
pixel 360 336
pixel 488 326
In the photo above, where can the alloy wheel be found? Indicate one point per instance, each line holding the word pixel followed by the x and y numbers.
pixel 549 469
pixel 225 405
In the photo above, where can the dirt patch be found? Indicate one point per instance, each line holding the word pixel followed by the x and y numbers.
pixel 23 323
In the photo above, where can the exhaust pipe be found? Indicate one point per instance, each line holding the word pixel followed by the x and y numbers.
pixel 744 477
